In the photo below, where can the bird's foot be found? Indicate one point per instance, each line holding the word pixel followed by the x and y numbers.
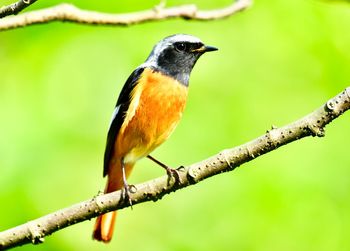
pixel 126 193
pixel 174 173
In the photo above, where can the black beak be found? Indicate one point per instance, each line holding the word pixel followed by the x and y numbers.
pixel 209 48
pixel 205 48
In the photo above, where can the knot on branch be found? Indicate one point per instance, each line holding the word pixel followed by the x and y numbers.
pixel 65 11
pixel 157 8
pixel 99 203
pixel 192 174
pixel 330 105
pixel 316 130
pixel 336 105
pixel 250 152
pixel 347 92
pixel 223 155
pixel 273 136
pixel 36 234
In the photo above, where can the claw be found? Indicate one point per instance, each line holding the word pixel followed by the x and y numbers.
pixel 126 195
pixel 132 188
pixel 127 191
pixel 174 173
pixel 181 168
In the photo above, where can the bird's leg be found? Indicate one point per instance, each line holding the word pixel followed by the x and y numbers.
pixel 127 187
pixel 170 171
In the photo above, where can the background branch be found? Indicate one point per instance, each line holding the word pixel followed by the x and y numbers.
pixel 227 160
pixel 70 13
pixel 15 8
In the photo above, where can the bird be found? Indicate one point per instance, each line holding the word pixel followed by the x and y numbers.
pixel 149 107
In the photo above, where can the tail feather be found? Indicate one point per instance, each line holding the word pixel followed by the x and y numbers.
pixel 104 226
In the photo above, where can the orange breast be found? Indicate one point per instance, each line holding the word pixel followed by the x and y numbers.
pixel 156 108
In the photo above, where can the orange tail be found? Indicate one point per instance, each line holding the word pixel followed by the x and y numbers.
pixel 104 226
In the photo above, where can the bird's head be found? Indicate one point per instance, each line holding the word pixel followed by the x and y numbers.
pixel 177 54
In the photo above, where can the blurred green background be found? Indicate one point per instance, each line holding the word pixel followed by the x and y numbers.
pixel 277 61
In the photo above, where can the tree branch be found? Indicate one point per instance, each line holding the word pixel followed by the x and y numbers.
pixel 70 13
pixel 227 160
pixel 15 8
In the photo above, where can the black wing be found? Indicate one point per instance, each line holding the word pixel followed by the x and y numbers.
pixel 119 115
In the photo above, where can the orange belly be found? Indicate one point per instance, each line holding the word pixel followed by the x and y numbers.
pixel 156 108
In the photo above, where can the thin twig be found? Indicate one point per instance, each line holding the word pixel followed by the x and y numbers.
pixel 227 160
pixel 15 8
pixel 70 13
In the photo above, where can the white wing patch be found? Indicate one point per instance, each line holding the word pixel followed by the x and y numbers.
pixel 115 112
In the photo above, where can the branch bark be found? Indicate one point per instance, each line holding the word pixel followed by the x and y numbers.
pixel 70 13
pixel 311 125
pixel 15 8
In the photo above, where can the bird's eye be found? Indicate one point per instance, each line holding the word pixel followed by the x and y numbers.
pixel 180 46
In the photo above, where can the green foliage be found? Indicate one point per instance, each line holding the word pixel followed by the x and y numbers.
pixel 277 61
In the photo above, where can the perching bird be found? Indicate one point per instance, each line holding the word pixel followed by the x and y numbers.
pixel 148 109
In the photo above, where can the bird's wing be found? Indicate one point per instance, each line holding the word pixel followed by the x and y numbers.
pixel 118 115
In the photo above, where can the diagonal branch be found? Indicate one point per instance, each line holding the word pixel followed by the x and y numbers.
pixel 15 8
pixel 70 13
pixel 311 125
